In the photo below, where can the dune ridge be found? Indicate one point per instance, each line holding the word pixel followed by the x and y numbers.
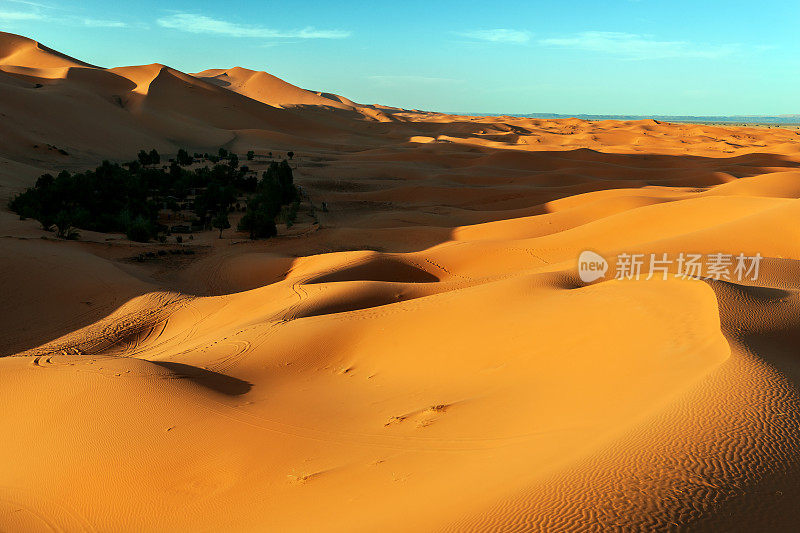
pixel 266 88
pixel 424 357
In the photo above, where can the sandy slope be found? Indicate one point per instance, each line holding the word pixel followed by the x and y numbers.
pixel 266 88
pixel 424 359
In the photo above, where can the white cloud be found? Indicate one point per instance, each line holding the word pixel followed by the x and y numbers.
pixel 636 46
pixel 10 16
pixel 498 35
pixel 96 23
pixel 201 24
pixel 19 15
pixel 28 3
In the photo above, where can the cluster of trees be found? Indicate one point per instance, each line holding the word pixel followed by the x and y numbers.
pixel 149 158
pixel 275 190
pixel 127 198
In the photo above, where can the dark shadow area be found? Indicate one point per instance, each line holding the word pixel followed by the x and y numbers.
pixel 214 81
pixel 215 381
pixel 449 185
pixel 357 303
pixel 766 320
pixel 380 268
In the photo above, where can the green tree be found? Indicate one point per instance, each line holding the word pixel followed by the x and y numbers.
pixel 221 222
pixel 184 159
pixel 262 209
pixel 250 155
pixel 175 171
pixel 127 198
pixel 44 181
pixel 258 224
pixel 286 180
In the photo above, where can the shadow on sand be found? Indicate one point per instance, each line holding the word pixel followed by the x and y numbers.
pixel 211 380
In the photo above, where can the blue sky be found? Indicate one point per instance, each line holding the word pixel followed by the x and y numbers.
pixel 559 56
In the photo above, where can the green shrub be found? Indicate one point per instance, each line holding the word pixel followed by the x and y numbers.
pixel 139 230
pixel 64 227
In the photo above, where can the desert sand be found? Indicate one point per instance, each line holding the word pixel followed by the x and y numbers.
pixel 425 358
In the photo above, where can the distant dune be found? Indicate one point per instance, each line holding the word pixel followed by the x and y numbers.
pixel 421 357
pixel 267 88
pixel 702 119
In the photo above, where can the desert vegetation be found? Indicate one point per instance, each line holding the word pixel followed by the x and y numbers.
pixel 127 198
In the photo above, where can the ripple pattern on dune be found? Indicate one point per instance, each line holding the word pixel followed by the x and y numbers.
pixel 122 332
pixel 724 456
pixel 21 511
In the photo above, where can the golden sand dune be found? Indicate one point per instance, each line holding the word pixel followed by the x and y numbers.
pixel 18 50
pixel 273 91
pixel 425 358
pixel 266 88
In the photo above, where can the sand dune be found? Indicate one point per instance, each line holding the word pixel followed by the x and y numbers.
pixel 266 88
pixel 18 50
pixel 425 357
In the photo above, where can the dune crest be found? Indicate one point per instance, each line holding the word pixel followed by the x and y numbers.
pixel 18 50
pixel 265 88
